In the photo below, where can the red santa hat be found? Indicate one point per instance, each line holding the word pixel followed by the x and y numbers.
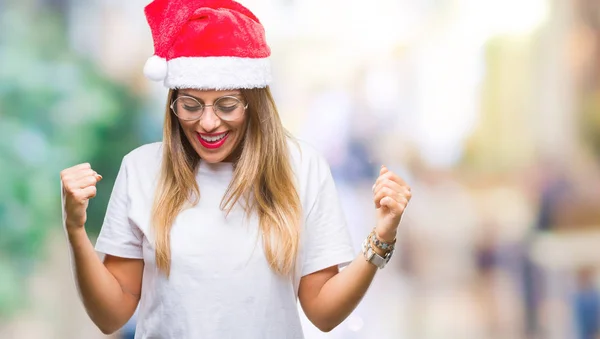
pixel 207 44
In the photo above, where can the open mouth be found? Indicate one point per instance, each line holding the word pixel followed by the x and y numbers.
pixel 212 141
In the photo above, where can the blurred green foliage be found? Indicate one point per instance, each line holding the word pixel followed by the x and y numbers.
pixel 56 110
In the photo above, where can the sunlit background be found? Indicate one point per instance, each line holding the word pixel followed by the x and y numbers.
pixel 490 109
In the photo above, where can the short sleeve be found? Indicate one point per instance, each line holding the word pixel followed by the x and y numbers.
pixel 326 239
pixel 119 236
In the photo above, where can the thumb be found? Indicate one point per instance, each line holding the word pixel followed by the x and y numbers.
pixel 98 177
pixel 392 206
pixel 386 202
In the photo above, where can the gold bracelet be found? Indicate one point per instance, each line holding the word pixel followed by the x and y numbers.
pixel 386 246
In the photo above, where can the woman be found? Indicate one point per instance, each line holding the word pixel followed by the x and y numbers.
pixel 219 229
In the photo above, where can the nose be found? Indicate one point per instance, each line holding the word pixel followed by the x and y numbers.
pixel 209 121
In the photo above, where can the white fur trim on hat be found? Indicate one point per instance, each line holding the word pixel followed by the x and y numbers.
pixel 218 73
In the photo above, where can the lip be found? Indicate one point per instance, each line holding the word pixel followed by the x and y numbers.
pixel 211 145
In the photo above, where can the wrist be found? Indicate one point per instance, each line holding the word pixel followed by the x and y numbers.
pixel 380 251
pixel 385 236
pixel 377 252
pixel 381 245
pixel 75 232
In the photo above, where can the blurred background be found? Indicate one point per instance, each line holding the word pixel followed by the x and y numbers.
pixel 489 109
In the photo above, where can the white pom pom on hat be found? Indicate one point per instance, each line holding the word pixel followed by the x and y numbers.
pixel 155 68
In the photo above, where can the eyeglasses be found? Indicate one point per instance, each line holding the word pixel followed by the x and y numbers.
pixel 227 108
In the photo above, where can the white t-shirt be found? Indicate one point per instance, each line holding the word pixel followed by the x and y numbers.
pixel 220 285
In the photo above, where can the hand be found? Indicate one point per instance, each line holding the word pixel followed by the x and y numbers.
pixel 391 195
pixel 78 187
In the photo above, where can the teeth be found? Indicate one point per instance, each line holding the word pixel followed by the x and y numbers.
pixel 213 138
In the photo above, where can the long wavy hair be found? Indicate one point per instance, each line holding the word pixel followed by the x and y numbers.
pixel 263 180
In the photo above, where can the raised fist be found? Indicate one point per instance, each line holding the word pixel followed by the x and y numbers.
pixel 78 187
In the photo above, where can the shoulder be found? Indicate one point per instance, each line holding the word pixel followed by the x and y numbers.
pixel 308 163
pixel 145 155
pixel 304 154
pixel 144 162
pixel 141 168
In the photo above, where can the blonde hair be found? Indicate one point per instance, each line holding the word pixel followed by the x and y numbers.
pixel 262 179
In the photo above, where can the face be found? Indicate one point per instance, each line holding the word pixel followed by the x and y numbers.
pixel 214 139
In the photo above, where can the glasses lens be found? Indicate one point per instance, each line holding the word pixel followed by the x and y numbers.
pixel 229 108
pixel 187 108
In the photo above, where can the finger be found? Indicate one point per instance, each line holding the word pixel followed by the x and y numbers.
pixel 82 166
pixel 87 181
pixel 71 179
pixel 85 193
pixel 387 202
pixel 385 192
pixel 391 177
pixel 71 186
pixel 380 178
pixel 402 191
pixel 85 165
pixel 384 174
pixel 383 170
pixel 395 207
pixel 389 184
pixel 407 193
pixel 78 174
pixel 400 195
pixel 394 177
pixel 72 171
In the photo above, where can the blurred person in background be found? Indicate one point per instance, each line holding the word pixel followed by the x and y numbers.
pixel 185 218
pixel 552 188
pixel 586 305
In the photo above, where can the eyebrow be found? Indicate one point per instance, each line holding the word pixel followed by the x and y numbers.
pixel 234 94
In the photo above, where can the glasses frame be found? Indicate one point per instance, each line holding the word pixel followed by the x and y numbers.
pixel 215 111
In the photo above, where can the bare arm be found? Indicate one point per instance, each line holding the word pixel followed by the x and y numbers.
pixel 328 297
pixel 110 291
